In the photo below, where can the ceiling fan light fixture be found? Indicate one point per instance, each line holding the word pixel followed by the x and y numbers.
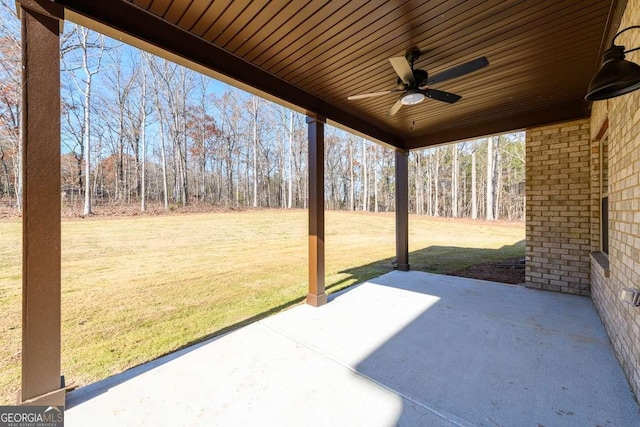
pixel 412 97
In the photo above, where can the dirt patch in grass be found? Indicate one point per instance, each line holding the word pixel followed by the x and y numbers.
pixel 505 271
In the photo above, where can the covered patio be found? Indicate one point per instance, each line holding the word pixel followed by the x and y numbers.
pixel 407 348
pixel 463 352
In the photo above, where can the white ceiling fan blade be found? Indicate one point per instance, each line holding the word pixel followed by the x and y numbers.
pixel 395 108
pixel 369 95
pixel 403 69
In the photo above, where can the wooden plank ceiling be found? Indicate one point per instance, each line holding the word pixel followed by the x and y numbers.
pixel 315 53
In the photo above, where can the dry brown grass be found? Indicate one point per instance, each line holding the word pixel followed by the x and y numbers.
pixel 136 288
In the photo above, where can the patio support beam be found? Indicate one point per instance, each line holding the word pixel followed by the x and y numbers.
pixel 316 296
pixel 402 210
pixel 41 380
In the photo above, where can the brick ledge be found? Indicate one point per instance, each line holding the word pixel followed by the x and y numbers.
pixel 601 261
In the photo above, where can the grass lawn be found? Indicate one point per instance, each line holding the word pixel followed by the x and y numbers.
pixel 137 288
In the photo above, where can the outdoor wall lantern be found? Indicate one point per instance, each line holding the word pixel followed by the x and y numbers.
pixel 617 75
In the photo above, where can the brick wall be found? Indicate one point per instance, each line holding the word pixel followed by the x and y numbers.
pixel 558 199
pixel 622 321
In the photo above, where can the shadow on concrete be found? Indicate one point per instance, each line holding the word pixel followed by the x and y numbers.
pixel 82 394
pixel 433 259
pixel 489 354
pixel 466 352
pixel 436 350
pixel 438 259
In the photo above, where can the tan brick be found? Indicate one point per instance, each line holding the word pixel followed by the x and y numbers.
pixel 558 181
pixel 622 321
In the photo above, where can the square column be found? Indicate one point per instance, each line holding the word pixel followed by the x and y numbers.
pixel 316 296
pixel 41 380
pixel 402 210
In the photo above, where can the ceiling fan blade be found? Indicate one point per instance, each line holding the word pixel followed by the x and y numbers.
pixel 459 70
pixel 370 95
pixel 395 108
pixel 442 96
pixel 403 69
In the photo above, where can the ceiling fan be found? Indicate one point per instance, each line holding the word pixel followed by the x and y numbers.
pixel 415 85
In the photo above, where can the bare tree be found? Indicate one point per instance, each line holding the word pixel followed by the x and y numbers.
pixel 419 193
pixel 203 133
pixel 161 74
pixel 375 177
pixel 497 178
pixel 143 135
pixel 365 177
pixel 351 175
pixel 429 184
pixel 10 105
pixel 454 181
pixel 176 86
pixel 290 160
pixel 436 183
pixel 173 144
pixel 474 185
pixel 120 81
pixel 284 135
pixel 490 187
pixel 254 115
pixel 91 48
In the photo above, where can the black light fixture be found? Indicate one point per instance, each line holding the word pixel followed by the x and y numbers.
pixel 617 76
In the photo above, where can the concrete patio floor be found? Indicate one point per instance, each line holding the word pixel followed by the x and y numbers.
pixel 411 349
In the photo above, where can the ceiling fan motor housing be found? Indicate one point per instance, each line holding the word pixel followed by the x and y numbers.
pixel 412 55
pixel 419 76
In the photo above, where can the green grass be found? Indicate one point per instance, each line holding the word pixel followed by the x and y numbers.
pixel 137 288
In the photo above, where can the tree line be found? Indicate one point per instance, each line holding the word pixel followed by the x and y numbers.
pixel 137 129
